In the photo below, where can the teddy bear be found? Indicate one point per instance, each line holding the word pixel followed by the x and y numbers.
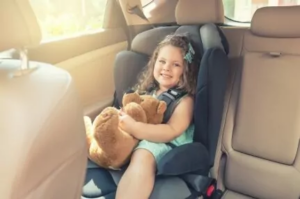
pixel 108 145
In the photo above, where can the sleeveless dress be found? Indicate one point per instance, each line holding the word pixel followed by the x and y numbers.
pixel 158 149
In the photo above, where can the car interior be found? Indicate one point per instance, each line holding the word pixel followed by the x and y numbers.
pixel 63 60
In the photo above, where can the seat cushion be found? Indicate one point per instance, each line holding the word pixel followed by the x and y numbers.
pixel 164 188
pixel 177 162
pixel 98 183
pixel 102 184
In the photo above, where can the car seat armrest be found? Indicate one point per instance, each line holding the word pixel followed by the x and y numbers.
pixel 185 159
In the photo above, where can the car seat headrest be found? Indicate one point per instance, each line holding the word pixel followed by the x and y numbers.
pixel 19 25
pixel 203 37
pixel 276 22
pixel 199 11
pixel 147 41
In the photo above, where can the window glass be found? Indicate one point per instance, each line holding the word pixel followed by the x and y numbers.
pixel 68 18
pixel 243 10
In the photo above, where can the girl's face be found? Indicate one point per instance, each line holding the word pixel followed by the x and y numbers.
pixel 169 67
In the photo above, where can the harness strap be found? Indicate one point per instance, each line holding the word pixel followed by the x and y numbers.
pixel 171 145
pixel 171 97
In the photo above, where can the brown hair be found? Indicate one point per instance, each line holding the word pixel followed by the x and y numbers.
pixel 188 80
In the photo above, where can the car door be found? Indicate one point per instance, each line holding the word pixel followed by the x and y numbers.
pixel 82 37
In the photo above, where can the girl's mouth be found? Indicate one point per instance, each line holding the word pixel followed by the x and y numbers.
pixel 166 76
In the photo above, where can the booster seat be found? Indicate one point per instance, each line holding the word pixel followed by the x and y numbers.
pixel 182 173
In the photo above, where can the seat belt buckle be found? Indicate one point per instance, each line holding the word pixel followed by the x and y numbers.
pixel 210 190
pixel 213 193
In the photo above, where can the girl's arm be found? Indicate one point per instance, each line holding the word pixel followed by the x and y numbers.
pixel 178 123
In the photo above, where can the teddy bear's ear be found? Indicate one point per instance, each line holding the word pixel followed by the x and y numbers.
pixel 162 107
pixel 131 97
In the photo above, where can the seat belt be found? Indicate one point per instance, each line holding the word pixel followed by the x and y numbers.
pixel 137 11
pixel 124 25
pixel 202 186
pixel 207 187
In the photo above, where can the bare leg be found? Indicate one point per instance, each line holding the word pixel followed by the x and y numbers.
pixel 138 180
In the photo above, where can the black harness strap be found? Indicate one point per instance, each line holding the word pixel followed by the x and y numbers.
pixel 171 97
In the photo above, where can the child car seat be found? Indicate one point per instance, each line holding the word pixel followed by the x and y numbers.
pixel 210 45
pixel 178 175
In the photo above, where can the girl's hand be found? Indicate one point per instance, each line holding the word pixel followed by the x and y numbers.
pixel 127 123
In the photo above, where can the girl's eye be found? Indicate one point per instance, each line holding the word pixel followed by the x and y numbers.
pixel 177 65
pixel 162 61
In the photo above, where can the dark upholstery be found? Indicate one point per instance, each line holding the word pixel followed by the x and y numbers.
pixel 211 87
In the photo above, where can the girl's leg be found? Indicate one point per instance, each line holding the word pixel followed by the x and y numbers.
pixel 138 180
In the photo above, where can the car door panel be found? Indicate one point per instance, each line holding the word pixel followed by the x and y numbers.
pixel 93 76
pixel 89 59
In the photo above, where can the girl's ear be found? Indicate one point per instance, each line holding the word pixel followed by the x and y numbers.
pixel 162 107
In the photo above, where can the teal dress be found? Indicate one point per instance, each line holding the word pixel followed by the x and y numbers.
pixel 158 150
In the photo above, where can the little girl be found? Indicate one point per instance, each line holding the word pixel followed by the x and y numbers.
pixel 171 66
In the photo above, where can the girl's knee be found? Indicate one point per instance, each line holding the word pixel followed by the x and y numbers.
pixel 144 158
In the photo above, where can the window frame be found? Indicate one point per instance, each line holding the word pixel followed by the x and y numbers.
pixel 146 4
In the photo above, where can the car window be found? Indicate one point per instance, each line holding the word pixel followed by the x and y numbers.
pixel 243 10
pixel 68 18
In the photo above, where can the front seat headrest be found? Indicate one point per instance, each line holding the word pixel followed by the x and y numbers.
pixel 19 25
pixel 199 12
pixel 276 22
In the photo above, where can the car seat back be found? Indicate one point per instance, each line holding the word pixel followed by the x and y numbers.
pixel 260 140
pixel 211 49
pixel 42 140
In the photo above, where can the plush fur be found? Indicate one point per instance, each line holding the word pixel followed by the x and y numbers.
pixel 108 145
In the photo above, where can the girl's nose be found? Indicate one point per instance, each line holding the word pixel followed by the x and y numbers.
pixel 166 67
